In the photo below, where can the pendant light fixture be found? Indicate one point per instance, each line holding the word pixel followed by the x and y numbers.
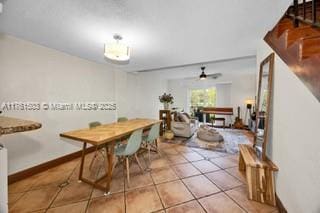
pixel 117 51
pixel 203 76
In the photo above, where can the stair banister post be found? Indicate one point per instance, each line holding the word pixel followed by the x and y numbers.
pixel 296 13
pixel 314 11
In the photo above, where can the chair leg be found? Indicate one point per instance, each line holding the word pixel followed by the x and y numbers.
pixel 128 171
pixel 158 151
pixel 149 153
pixel 138 161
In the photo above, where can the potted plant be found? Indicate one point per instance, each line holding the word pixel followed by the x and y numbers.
pixel 166 99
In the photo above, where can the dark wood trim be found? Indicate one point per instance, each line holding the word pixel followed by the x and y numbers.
pixel 280 206
pixel 47 165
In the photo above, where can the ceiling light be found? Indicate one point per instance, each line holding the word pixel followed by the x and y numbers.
pixel 116 50
pixel 203 76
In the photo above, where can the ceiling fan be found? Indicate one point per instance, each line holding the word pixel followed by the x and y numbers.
pixel 204 76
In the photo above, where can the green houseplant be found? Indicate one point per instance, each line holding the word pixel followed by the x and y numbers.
pixel 166 99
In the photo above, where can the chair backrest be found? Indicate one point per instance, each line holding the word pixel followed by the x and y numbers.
pixel 134 142
pixel 94 124
pixel 154 132
pixel 122 119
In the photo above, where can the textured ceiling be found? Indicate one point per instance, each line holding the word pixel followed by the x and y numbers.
pixel 162 33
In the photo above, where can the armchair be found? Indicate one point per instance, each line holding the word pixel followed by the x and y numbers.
pixel 184 127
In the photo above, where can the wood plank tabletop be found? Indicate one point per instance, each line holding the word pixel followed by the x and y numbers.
pixel 109 132
pixel 252 159
pixel 10 125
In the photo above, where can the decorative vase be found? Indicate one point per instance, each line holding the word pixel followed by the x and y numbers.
pixel 169 135
pixel 166 105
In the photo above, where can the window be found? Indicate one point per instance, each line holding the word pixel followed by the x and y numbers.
pixel 203 97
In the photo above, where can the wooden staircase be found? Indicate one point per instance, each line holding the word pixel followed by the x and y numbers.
pixel 296 39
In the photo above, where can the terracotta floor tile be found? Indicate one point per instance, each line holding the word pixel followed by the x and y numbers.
pixel 135 169
pixel 220 203
pixel 54 178
pixel 225 162
pixel 12 198
pixel 166 145
pixel 209 154
pixel 163 175
pixel 183 149
pixel 107 204
pixel 176 159
pixel 158 163
pixel 117 185
pixel 234 171
pixel 200 186
pixel 88 173
pixel 97 162
pixel 72 193
pixel 189 207
pixel 205 166
pixel 38 192
pixel 71 208
pixel 170 151
pixel 224 180
pixel 143 200
pixel 192 156
pixel 138 181
pixel 35 200
pixel 173 193
pixel 23 185
pixel 186 170
pixel 71 165
pixel 240 195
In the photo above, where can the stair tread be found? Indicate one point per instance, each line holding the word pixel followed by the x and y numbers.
pixel 299 47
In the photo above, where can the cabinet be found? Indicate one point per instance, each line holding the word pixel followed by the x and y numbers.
pixel 165 116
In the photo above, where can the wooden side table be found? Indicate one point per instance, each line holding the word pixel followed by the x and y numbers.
pixel 165 116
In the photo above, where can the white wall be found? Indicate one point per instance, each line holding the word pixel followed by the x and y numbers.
pixel 150 87
pixel 294 146
pixel 239 73
pixel 30 72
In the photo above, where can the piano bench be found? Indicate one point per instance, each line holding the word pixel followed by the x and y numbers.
pixel 219 119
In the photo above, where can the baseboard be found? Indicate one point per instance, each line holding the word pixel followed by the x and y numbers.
pixel 280 206
pixel 45 166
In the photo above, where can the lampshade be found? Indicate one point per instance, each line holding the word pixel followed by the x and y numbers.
pixel 116 50
pixel 249 101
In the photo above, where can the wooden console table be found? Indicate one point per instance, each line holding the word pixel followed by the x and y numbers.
pixel 260 175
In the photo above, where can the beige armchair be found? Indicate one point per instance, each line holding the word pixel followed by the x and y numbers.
pixel 184 128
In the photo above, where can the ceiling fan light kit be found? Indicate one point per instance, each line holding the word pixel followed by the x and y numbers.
pixel 203 76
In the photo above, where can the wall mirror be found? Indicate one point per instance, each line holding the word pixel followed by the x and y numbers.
pixel 263 105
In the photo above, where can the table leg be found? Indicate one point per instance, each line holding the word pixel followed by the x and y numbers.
pixel 109 166
pixel 82 160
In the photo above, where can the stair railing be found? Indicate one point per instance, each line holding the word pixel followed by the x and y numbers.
pixel 300 12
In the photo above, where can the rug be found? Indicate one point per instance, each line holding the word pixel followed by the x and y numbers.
pixel 232 138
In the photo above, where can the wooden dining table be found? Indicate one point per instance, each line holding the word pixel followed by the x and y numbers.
pixel 106 136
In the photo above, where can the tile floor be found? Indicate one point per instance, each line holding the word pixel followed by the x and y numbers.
pixel 182 179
